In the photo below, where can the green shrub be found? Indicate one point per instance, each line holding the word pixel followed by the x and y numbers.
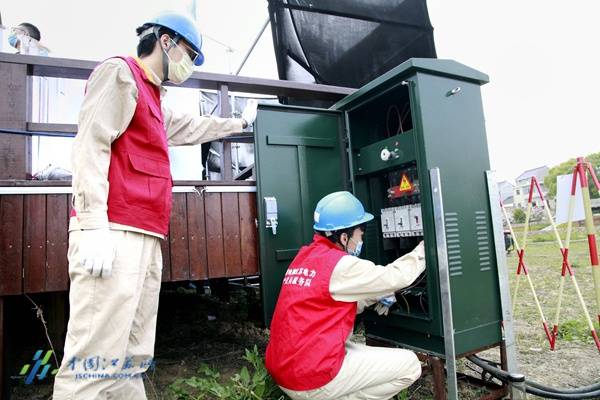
pixel 403 395
pixel 519 216
pixel 249 384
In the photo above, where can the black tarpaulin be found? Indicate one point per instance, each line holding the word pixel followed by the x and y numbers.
pixel 347 42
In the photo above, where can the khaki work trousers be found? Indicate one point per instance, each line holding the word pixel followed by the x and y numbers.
pixel 112 324
pixel 367 373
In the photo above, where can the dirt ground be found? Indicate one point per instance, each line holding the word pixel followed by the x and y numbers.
pixel 195 328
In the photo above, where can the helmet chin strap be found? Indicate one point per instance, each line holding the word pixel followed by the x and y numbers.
pixel 165 58
pixel 165 63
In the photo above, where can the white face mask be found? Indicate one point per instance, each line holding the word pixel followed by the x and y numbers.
pixel 357 249
pixel 180 71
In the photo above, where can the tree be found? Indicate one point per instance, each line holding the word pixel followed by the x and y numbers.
pixel 519 216
pixel 567 168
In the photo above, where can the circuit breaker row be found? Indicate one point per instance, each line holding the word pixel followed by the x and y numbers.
pixel 401 221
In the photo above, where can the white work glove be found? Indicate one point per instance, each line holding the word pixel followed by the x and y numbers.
pixel 384 303
pixel 420 250
pixel 97 252
pixel 249 113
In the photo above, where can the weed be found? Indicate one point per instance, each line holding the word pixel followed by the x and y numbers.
pixel 403 395
pixel 575 330
pixel 248 384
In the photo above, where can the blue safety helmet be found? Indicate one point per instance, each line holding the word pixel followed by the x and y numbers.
pixel 185 28
pixel 339 210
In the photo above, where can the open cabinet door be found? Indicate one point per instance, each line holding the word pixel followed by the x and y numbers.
pixel 300 157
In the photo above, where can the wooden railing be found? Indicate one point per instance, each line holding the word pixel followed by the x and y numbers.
pixel 212 234
pixel 15 107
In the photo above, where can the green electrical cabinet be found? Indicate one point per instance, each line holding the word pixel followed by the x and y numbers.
pixel 412 146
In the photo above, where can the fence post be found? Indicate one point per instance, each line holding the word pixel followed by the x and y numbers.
pixel 15 162
pixel 225 112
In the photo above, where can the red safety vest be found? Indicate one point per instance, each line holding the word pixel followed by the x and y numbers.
pixel 309 328
pixel 139 174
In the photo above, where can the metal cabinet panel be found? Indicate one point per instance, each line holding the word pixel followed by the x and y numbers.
pixel 299 159
pixel 443 127
pixel 385 138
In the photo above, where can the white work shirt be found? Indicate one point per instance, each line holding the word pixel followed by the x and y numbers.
pixel 108 107
pixel 362 281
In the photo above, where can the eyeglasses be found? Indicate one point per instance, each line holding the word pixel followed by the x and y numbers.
pixel 191 52
pixel 18 31
pixel 193 55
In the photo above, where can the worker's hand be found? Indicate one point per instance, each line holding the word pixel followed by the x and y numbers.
pixel 97 252
pixel 249 113
pixel 384 303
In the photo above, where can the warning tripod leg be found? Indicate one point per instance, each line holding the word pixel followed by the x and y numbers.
pixel 587 314
pixel 557 316
pixel 589 224
pixel 591 231
pixel 539 307
pixel 579 171
pixel 523 268
pixel 532 186
pixel 518 251
pixel 565 252
pixel 514 299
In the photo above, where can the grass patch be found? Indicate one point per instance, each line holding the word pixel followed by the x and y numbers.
pixel 544 262
pixel 252 383
pixel 403 395
pixel 532 227
pixel 575 330
pixel 535 234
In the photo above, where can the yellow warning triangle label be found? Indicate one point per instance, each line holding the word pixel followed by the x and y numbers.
pixel 405 185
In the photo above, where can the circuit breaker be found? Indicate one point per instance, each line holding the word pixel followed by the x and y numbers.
pixel 411 139
pixel 403 217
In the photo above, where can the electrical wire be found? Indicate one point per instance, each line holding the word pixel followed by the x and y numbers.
pixel 387 121
pixel 423 308
pixel 584 392
pixel 485 376
pixel 414 284
pixel 405 112
pixel 405 302
pixel 582 389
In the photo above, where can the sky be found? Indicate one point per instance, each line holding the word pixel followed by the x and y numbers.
pixel 542 56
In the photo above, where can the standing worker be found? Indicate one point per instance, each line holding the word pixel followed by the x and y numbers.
pixel 121 208
pixel 309 354
pixel 26 39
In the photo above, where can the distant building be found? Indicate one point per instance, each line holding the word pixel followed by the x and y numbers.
pixel 509 204
pixel 506 190
pixel 523 182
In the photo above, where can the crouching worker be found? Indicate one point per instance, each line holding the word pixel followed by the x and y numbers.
pixel 121 208
pixel 309 354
